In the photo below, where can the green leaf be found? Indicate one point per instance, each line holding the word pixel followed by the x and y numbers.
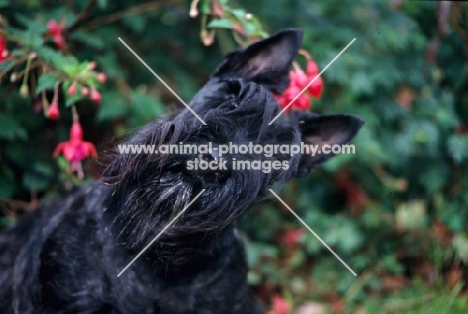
pixel 6 65
pixel 460 244
pixel 62 163
pixel 144 109
pixel 32 25
pixel 35 40
pixel 256 250
pixel 18 33
pixel 11 128
pixel 250 28
pixel 73 99
pixel 30 38
pixel 113 106
pixel 21 134
pixel 58 60
pixel 137 23
pixel 88 38
pixel 349 237
pixel 35 182
pixel 46 81
pixel 239 13
pixel 205 7
pixel 458 147
pixel 102 4
pixel 7 188
pixel 220 23
pixel 254 278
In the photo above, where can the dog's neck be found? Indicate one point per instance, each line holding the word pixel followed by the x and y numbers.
pixel 192 261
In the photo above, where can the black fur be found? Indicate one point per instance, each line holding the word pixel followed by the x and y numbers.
pixel 65 256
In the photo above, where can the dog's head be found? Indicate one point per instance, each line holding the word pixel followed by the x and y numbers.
pixel 237 105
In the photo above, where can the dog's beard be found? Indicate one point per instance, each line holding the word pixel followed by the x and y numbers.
pixel 137 215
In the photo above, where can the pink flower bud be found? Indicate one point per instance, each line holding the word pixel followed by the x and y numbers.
pixel 193 13
pixel 316 88
pixel 292 78
pixel 280 305
pixel 95 96
pixel 53 27
pixel 312 68
pixel 53 112
pixel 301 79
pixel 92 65
pixel 101 77
pixel 302 103
pixel 85 91
pixel 72 89
pixel 24 91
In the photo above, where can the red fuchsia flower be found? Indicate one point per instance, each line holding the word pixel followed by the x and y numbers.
pixel 291 92
pixel 299 80
pixel 75 150
pixel 315 89
pixel 301 103
pixel 355 196
pixel 56 32
pixel 3 49
pixel 280 306
pixel 292 237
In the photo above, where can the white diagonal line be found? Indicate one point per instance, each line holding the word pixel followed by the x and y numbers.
pixel 162 231
pixel 311 82
pixel 164 83
pixel 312 231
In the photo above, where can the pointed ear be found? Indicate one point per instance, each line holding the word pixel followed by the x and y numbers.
pixel 322 130
pixel 266 62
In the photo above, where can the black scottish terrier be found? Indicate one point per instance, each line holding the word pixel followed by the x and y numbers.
pixel 65 256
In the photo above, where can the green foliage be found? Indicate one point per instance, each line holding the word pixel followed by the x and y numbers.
pixel 46 81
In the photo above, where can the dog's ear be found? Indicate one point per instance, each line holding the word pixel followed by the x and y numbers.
pixel 321 130
pixel 266 62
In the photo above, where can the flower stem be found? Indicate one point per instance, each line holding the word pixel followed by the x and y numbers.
pixel 76 117
pixel 26 71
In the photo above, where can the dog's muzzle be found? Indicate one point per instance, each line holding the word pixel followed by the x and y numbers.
pixel 213 167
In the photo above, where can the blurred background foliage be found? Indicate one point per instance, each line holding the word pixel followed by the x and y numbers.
pixel 396 211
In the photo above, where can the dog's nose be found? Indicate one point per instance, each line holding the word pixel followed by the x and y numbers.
pixel 213 167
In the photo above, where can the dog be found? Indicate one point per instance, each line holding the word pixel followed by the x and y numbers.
pixel 65 256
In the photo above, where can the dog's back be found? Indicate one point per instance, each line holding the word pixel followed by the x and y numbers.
pixel 21 247
pixel 59 259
